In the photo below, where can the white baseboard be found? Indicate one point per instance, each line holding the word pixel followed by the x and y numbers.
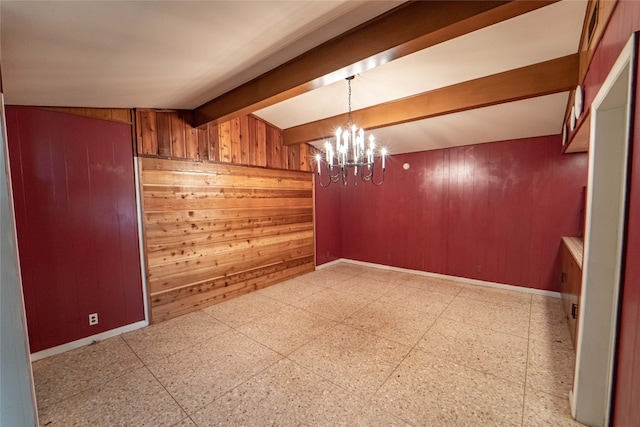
pixel 444 276
pixel 86 341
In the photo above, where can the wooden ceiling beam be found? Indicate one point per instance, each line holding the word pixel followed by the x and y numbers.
pixel 404 30
pixel 556 75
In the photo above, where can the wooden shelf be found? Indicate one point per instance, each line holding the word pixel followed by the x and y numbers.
pixel 576 248
pixel 578 141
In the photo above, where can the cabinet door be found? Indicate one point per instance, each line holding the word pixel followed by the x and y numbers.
pixel 565 290
pixel 570 289
pixel 576 290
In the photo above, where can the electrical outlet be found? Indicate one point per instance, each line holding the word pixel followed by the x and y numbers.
pixel 93 319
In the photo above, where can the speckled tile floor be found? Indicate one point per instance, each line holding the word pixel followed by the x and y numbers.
pixel 345 345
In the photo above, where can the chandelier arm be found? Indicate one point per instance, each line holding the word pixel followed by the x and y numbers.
pixel 320 181
pixel 378 183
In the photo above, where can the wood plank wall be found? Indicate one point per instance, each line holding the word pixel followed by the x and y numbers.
pixel 245 140
pixel 217 231
pixel 227 209
pixel 120 115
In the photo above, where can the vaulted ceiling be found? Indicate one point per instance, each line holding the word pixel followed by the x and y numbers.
pixel 428 74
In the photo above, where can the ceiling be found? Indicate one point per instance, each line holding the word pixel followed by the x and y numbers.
pixel 181 54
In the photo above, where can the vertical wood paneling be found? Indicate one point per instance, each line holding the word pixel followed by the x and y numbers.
pixel 252 124
pixel 215 231
pixel 245 138
pixel 305 157
pixel 76 223
pixel 224 141
pixel 235 144
pixel 146 132
pixel 202 135
pixel 191 137
pixel 214 143
pixel 163 127
pixel 261 144
pixel 293 157
pixel 178 148
pixel 271 150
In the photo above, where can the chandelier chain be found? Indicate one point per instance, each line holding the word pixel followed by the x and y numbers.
pixel 349 117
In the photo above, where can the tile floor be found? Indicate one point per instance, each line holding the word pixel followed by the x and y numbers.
pixel 345 345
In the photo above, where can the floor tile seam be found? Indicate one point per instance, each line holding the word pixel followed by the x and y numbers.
pixel 526 368
pixel 379 336
pixel 382 281
pixel 514 306
pixel 226 391
pixel 188 417
pixel 188 347
pixel 568 347
pixel 366 399
pixel 280 301
pixel 316 314
pixel 332 319
pixel 413 348
pixel 400 306
pixel 297 348
pixel 262 344
pixel 249 321
pixel 435 401
pixel 343 322
pixel 360 294
pixel 449 294
pixel 485 329
pixel 77 392
pixel 482 326
pixel 374 335
pixel 473 367
pixel 168 392
pixel 564 395
pixel 102 384
pixel 392 414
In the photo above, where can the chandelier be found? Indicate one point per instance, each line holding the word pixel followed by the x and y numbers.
pixel 349 155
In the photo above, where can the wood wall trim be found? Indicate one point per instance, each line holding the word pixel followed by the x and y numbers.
pixel 404 30
pixel 556 75
pixel 120 115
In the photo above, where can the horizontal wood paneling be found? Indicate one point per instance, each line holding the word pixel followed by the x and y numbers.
pixel 245 140
pixel 215 231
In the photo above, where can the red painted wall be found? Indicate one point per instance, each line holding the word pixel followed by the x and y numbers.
pixel 74 195
pixel 492 212
pixel 328 213
pixel 624 22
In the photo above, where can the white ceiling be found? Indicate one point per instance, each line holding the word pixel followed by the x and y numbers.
pixel 164 54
